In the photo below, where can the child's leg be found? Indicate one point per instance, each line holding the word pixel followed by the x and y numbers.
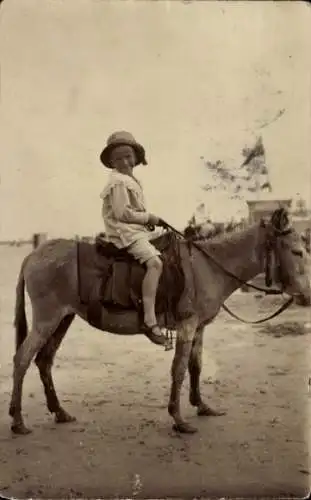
pixel 147 254
pixel 150 286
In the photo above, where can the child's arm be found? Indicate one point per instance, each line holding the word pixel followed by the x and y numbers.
pixel 122 208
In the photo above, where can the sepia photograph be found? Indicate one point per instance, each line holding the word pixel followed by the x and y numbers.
pixel 155 249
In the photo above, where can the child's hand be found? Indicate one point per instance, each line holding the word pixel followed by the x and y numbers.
pixel 153 220
pixel 157 221
pixel 162 223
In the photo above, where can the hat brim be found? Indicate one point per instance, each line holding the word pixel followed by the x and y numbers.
pixel 138 148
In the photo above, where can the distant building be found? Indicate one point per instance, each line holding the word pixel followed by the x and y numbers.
pixel 262 208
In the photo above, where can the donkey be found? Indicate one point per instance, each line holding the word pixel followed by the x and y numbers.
pixel 55 278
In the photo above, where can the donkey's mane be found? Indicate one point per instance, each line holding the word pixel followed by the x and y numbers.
pixel 229 236
pixel 225 244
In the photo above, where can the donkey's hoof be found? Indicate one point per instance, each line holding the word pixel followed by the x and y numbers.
pixel 62 417
pixel 207 411
pixel 185 428
pixel 20 429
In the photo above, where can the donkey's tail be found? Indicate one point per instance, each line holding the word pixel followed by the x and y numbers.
pixel 20 321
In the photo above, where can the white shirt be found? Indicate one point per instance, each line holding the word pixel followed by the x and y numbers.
pixel 124 210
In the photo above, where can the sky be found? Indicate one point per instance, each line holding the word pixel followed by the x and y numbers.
pixel 187 79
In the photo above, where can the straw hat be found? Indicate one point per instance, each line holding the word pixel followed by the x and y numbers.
pixel 122 138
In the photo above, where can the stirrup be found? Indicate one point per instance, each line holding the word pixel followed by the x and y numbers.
pixel 155 339
pixel 169 340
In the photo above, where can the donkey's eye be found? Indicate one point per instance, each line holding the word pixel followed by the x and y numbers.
pixel 297 252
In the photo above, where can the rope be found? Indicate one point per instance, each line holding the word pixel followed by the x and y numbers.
pixel 273 315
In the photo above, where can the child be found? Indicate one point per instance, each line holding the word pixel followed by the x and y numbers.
pixel 126 219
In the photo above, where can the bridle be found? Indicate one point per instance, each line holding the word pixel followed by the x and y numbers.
pixel 273 233
pixel 270 250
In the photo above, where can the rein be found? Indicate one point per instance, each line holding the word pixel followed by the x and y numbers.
pixel 273 315
pixel 241 281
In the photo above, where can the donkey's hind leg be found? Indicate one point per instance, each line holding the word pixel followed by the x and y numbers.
pixel 44 361
pixel 22 359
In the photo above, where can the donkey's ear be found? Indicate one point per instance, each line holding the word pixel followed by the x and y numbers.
pixel 284 219
pixel 275 219
pixel 279 219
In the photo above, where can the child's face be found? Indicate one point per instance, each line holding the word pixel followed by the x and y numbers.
pixel 123 159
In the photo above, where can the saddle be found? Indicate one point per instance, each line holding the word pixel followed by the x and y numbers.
pixel 120 276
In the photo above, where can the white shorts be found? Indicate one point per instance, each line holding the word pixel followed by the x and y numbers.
pixel 142 250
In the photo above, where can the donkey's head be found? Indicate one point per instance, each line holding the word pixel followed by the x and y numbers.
pixel 287 260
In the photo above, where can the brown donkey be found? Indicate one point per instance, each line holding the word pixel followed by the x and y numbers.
pixel 212 271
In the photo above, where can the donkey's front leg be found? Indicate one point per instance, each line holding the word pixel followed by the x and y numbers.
pixel 184 338
pixel 195 368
